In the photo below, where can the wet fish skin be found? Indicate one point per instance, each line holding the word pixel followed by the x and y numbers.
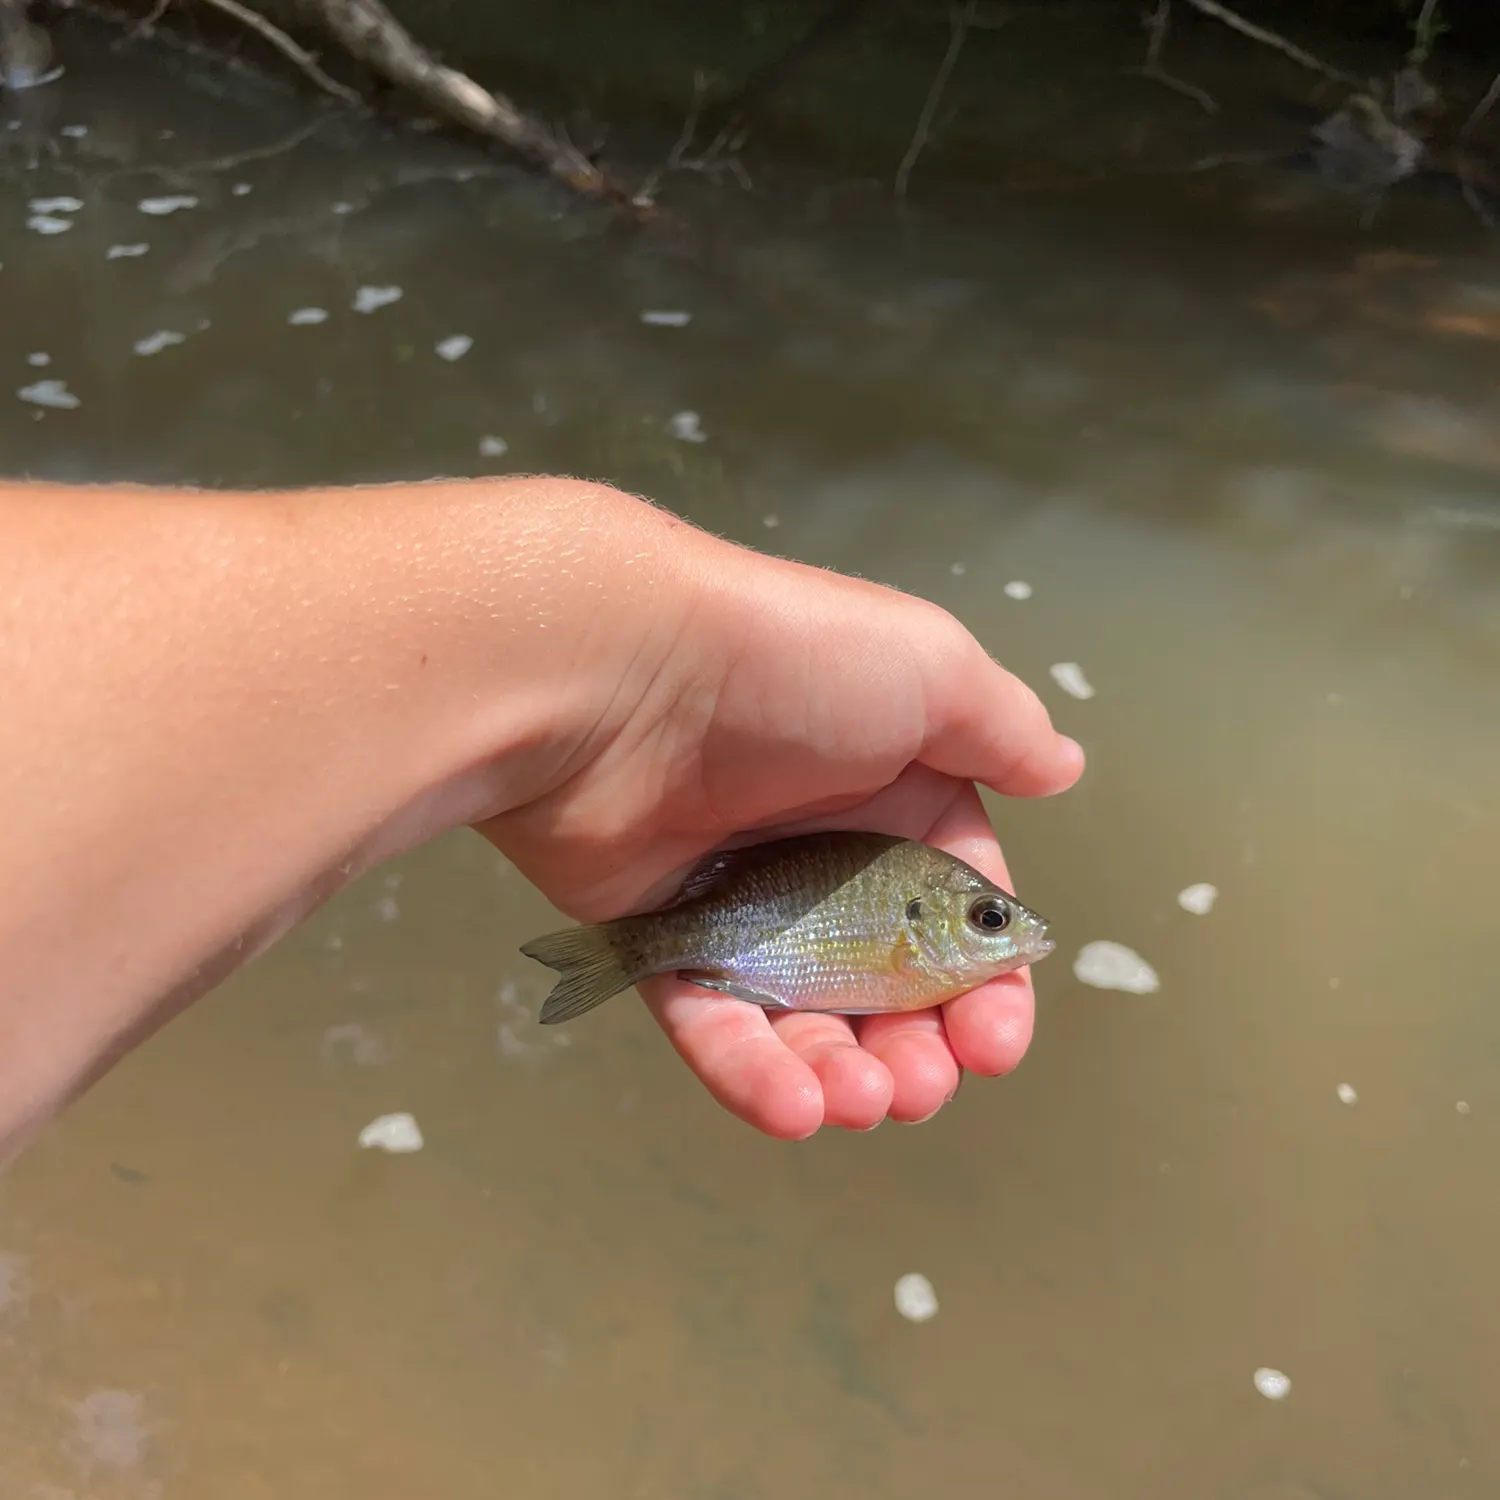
pixel 846 922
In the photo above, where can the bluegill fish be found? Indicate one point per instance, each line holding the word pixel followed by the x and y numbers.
pixel 855 923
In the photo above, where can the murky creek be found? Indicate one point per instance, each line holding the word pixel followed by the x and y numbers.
pixel 1219 478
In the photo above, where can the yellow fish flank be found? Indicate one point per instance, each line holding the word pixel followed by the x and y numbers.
pixel 854 923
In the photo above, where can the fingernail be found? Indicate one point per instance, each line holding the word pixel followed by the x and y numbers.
pixel 925 1118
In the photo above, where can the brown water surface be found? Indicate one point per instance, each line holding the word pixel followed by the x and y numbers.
pixel 1245 455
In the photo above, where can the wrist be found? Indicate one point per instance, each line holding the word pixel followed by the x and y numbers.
pixel 497 631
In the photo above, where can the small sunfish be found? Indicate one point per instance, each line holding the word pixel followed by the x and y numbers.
pixel 854 923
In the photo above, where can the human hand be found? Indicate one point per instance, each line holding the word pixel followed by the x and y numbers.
pixel 774 698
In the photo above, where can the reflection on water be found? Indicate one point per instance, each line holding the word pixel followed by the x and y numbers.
pixel 1247 497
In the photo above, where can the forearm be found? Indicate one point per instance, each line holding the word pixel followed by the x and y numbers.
pixel 219 706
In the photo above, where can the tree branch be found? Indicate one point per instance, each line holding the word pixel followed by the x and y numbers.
pixel 958 28
pixel 367 30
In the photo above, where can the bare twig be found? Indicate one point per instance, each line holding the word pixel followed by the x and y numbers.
pixel 841 17
pixel 714 160
pixel 1480 110
pixel 689 122
pixel 287 47
pixel 958 28
pixel 1477 205
pixel 257 153
pixel 1461 162
pixel 1237 22
pixel 1423 33
pixel 1158 21
pixel 147 24
pixel 646 193
pixel 1217 159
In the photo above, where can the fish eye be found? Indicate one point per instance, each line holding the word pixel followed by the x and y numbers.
pixel 914 910
pixel 990 914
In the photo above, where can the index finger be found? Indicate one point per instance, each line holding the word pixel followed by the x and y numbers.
pixel 987 726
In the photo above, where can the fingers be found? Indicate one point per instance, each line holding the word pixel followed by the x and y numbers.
pixel 739 1059
pixel 923 1069
pixel 857 1084
pixel 990 1028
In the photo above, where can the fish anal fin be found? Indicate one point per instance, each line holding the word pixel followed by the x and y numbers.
pixel 738 991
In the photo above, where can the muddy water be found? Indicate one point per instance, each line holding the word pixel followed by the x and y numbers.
pixel 1245 460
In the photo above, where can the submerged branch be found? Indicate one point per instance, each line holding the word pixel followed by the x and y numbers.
pixel 958 24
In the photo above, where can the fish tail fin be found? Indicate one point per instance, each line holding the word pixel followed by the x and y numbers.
pixel 590 967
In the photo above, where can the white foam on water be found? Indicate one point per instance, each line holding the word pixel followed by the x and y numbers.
pixel 662 317
pixel 1198 899
pixel 1462 1106
pixel 1272 1384
pixel 915 1299
pixel 455 347
pixel 240 189
pixel 398 1134
pixel 48 224
pixel 387 909
pixel 53 394
pixel 493 447
pixel 770 521
pixel 370 299
pixel 1017 588
pixel 125 252
pixel 1068 675
pixel 306 317
pixel 55 205
pixel 74 132
pixel 154 343
pixel 108 1430
pixel 687 426
pixel 171 203
pixel 1112 966
pixel 39 359
pixel 1347 1094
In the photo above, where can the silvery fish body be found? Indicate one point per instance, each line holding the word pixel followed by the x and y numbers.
pixel 849 922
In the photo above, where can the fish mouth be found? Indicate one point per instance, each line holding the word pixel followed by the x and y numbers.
pixel 1042 945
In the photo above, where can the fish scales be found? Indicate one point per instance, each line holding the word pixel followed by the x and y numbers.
pixel 842 921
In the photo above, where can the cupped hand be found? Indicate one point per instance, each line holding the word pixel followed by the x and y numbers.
pixel 773 698
pixel 788 1073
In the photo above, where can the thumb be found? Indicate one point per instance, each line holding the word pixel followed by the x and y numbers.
pixel 986 725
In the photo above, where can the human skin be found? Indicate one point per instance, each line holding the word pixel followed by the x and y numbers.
pixel 220 708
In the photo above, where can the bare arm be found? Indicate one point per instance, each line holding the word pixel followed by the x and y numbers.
pixel 219 708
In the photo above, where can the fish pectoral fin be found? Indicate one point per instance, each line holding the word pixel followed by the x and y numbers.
pixel 709 873
pixel 739 991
